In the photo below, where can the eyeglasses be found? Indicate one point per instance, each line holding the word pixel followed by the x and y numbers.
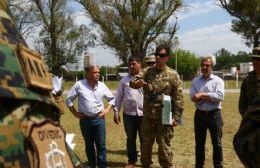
pixel 160 55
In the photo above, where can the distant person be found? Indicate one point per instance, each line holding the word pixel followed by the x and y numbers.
pixel 91 112
pixel 149 60
pixel 132 100
pixel 207 92
pixel 157 81
pixel 247 139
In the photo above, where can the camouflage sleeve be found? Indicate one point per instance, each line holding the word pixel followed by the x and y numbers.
pixel 177 98
pixel 135 79
pixel 243 99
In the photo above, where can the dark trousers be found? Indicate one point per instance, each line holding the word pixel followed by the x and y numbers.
pixel 94 134
pixel 132 126
pixel 211 120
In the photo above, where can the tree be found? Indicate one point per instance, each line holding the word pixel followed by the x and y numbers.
pixel 223 59
pixel 60 40
pixel 246 19
pixel 23 12
pixel 226 60
pixel 130 26
pixel 187 62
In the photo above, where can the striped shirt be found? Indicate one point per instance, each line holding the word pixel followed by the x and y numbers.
pixel 132 99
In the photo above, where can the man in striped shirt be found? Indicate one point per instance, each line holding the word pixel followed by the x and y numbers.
pixel 132 100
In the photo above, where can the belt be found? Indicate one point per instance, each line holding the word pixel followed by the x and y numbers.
pixel 92 116
pixel 208 112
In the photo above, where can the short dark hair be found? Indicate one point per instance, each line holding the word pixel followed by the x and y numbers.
pixel 161 47
pixel 137 59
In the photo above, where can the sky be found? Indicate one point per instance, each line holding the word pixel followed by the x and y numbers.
pixel 204 27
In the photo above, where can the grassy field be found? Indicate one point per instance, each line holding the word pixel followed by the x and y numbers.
pixel 183 141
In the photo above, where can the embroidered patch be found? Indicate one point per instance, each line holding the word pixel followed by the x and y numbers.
pixel 49 142
pixel 35 71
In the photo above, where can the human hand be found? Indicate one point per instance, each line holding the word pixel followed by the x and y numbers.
pixel 117 119
pixel 103 112
pixel 174 123
pixel 80 115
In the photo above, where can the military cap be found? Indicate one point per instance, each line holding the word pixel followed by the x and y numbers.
pixel 149 59
pixel 256 52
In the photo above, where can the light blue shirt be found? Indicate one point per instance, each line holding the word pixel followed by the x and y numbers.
pixel 132 99
pixel 90 101
pixel 214 86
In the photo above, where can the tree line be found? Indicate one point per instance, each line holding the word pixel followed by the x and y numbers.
pixel 128 27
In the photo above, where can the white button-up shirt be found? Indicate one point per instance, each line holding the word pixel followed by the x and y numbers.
pixel 90 100
pixel 213 86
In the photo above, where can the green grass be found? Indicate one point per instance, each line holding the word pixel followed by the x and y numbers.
pixel 183 141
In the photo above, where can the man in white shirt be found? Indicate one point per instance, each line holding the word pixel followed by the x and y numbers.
pixel 91 112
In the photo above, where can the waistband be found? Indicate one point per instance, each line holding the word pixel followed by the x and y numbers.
pixel 207 112
pixel 91 116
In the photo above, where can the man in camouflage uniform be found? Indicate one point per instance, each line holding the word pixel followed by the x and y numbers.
pixel 247 139
pixel 157 81
pixel 30 133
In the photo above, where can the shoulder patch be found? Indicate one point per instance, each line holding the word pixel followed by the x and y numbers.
pixel 49 142
pixel 35 71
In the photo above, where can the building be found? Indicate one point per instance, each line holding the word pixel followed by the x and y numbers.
pixel 246 67
pixel 88 59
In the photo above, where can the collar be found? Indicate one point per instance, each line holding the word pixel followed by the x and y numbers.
pixel 210 77
pixel 95 87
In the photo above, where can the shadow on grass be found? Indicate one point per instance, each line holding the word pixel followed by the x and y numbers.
pixel 119 164
pixel 116 164
pixel 116 152
pixel 123 152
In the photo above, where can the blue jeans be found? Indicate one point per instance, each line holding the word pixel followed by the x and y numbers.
pixel 94 134
pixel 132 126
pixel 212 121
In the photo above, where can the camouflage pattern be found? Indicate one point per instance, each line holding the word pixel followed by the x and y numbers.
pixel 246 140
pixel 162 82
pixel 21 106
pixel 248 92
pixel 148 62
pixel 150 59
pixel 152 128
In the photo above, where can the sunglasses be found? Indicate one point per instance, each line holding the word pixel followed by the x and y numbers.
pixel 160 55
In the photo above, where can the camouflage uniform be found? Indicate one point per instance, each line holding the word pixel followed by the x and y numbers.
pixel 247 140
pixel 162 82
pixel 30 134
pixel 248 92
